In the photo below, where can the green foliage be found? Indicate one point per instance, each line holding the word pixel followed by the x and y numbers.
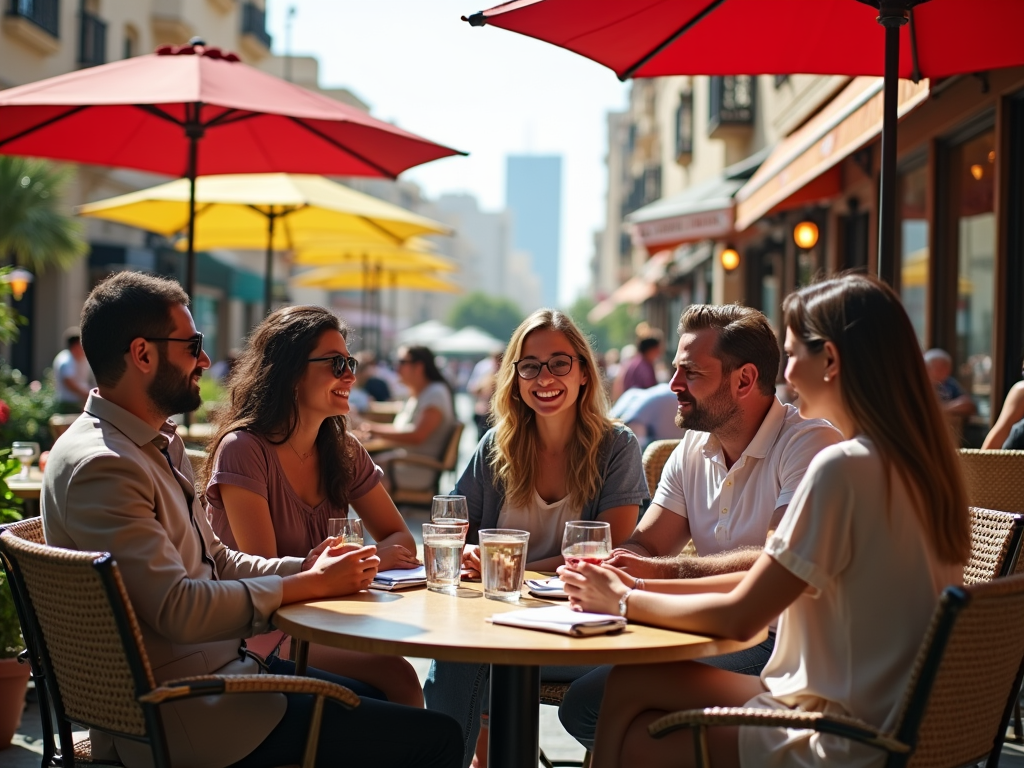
pixel 213 394
pixel 496 315
pixel 31 403
pixel 33 227
pixel 11 641
pixel 614 331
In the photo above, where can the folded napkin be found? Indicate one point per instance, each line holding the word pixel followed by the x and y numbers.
pixel 399 579
pixel 551 589
pixel 562 620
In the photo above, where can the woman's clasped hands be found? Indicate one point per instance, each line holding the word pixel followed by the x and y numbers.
pixel 595 588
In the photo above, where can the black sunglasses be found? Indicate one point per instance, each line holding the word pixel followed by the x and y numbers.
pixel 558 365
pixel 338 364
pixel 196 342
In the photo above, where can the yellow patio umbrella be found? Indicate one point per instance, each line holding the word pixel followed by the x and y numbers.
pixel 352 279
pixel 416 253
pixel 272 211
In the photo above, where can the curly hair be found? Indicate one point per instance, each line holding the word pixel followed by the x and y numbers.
pixel 261 394
pixel 514 457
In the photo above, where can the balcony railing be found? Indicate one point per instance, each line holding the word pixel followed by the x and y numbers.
pixel 732 102
pixel 254 22
pixel 45 14
pixel 92 40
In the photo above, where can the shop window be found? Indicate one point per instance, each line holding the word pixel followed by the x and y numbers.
pixel 972 167
pixel 853 236
pixel 915 259
pixel 684 129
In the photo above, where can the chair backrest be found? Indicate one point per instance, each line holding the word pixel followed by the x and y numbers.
pixel 88 636
pixel 966 675
pixel 995 544
pixel 59 423
pixel 655 456
pixel 451 452
pixel 994 479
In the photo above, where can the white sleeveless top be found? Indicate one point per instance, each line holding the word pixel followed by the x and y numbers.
pixel 545 522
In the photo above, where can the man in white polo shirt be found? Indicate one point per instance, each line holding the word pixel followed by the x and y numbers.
pixel 726 484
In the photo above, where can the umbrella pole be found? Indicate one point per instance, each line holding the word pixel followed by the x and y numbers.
pixel 892 16
pixel 190 263
pixel 268 271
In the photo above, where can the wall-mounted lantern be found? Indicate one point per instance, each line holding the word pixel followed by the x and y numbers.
pixel 805 235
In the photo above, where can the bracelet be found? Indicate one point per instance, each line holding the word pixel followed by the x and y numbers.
pixel 638 583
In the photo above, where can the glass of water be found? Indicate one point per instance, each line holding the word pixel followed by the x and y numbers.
pixel 442 555
pixel 586 540
pixel 26 453
pixel 348 529
pixel 449 509
pixel 503 562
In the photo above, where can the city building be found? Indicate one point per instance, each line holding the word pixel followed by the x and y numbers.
pixel 533 197
pixel 45 38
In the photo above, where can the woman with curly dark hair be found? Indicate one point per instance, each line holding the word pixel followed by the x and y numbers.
pixel 281 464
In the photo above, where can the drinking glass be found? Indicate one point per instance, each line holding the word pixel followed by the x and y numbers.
pixel 26 453
pixel 449 509
pixel 586 540
pixel 442 555
pixel 349 529
pixel 503 562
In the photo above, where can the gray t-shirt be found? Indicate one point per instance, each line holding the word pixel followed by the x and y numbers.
pixel 435 395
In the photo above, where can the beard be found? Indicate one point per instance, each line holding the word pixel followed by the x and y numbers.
pixel 172 391
pixel 710 414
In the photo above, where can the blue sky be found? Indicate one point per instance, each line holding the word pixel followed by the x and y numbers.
pixel 482 90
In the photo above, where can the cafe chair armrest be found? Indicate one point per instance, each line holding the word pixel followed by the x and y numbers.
pixel 700 719
pixel 419 460
pixel 216 685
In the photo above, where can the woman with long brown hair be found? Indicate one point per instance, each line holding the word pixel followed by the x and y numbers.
pixel 876 529
pixel 553 456
pixel 281 464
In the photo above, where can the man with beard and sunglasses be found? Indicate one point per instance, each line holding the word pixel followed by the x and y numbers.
pixel 724 487
pixel 118 481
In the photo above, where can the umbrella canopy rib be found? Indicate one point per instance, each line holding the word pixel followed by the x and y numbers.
pixel 630 71
pixel 338 145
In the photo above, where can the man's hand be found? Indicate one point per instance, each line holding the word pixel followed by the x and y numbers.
pixel 345 569
pixel 593 588
pixel 314 553
pixel 471 561
pixel 396 556
pixel 644 567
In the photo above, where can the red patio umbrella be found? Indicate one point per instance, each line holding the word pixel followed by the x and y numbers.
pixel 652 38
pixel 196 111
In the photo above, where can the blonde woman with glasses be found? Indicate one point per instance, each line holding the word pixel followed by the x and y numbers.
pixel 553 456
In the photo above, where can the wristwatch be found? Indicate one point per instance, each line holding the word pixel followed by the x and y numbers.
pixel 622 602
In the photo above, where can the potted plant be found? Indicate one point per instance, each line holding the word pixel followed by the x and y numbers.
pixel 13 676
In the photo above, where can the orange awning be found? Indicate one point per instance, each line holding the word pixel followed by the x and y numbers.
pixel 637 289
pixel 804 166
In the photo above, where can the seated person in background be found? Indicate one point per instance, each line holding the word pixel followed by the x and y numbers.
pixel 869 540
pixel 119 482
pixel 952 398
pixel 72 377
pixel 423 426
pixel 375 386
pixel 650 413
pixel 1008 431
pixel 728 482
pixel 282 465
pixel 481 386
pixel 639 372
pixel 552 456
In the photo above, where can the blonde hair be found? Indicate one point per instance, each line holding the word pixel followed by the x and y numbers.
pixel 514 457
pixel 885 387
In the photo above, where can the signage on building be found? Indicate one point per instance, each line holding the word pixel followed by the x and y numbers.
pixel 704 225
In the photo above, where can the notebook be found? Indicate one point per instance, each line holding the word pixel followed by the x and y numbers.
pixel 396 579
pixel 562 620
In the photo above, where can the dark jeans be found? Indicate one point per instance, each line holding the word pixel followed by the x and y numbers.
pixel 582 702
pixel 375 733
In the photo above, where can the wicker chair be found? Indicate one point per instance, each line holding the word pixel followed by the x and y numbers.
pixel 447 464
pixel 89 647
pixel 960 691
pixel 994 479
pixel 995 545
pixel 655 456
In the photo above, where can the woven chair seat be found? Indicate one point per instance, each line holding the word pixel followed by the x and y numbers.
pixel 553 693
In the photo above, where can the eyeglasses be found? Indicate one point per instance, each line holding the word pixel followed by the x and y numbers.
pixel 338 364
pixel 557 365
pixel 196 342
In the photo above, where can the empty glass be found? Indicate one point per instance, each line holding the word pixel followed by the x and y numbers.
pixel 503 562
pixel 449 509
pixel 26 453
pixel 349 529
pixel 586 540
pixel 442 555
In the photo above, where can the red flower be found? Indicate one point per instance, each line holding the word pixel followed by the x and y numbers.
pixel 5 412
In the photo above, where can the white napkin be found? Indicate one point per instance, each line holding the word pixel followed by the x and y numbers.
pixel 562 620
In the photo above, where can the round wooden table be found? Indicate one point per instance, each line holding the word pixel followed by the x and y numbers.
pixel 454 628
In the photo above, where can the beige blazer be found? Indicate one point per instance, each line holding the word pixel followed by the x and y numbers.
pixel 108 488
